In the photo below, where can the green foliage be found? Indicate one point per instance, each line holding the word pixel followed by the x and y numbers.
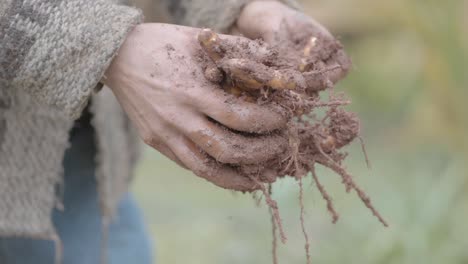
pixel 411 73
pixel 410 84
pixel 422 194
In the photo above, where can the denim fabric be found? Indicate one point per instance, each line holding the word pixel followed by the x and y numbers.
pixel 79 225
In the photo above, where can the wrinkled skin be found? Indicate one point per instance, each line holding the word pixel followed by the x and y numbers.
pixel 263 19
pixel 159 82
pixel 277 24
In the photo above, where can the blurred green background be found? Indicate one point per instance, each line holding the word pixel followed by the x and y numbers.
pixel 409 85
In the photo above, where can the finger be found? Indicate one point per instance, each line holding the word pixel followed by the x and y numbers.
pixel 229 147
pixel 264 173
pixel 218 47
pixel 163 149
pixel 330 73
pixel 335 69
pixel 235 31
pixel 322 79
pixel 211 44
pixel 213 74
pixel 252 75
pixel 342 59
pixel 315 27
pixel 238 114
pixel 205 167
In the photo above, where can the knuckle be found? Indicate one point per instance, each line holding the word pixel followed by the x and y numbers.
pixel 151 140
pixel 233 150
pixel 225 156
pixel 201 168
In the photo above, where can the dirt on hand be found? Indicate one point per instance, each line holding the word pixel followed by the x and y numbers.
pixel 292 76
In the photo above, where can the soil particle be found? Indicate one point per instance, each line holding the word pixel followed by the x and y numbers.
pixel 271 76
pixel 290 77
pixel 213 74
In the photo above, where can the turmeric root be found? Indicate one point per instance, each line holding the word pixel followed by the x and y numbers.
pixel 211 44
pixel 252 75
pixel 291 77
pixel 306 53
pixel 244 73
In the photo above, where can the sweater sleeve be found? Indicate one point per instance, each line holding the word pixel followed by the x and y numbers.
pixel 58 50
pixel 215 14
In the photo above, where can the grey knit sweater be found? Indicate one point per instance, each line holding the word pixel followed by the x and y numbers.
pixel 52 55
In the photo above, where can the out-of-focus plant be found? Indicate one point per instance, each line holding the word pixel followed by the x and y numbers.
pixel 442 107
pixel 411 63
pixel 409 84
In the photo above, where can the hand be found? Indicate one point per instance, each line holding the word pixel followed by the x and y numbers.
pixel 289 29
pixel 158 79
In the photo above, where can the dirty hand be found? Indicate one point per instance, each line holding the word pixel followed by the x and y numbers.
pixel 159 82
pixel 284 27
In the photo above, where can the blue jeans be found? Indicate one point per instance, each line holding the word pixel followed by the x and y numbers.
pixel 79 226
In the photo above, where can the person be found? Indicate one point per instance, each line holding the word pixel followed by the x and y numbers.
pixel 68 145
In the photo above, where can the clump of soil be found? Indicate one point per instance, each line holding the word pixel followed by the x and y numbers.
pixel 293 76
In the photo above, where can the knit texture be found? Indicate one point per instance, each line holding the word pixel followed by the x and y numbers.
pixel 52 55
pixel 58 51
pixel 117 150
pixel 214 14
pixel 31 153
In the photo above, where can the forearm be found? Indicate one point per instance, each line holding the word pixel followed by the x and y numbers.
pixel 215 14
pixel 58 50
